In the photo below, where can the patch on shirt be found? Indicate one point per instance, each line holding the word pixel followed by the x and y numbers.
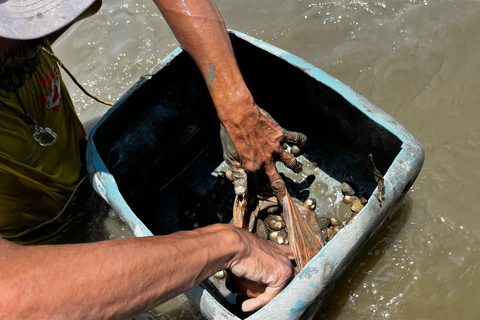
pixel 53 98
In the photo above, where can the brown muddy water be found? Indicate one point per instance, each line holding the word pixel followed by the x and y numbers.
pixel 417 60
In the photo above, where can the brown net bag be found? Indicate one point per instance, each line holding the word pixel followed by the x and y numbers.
pixel 259 204
pixel 305 243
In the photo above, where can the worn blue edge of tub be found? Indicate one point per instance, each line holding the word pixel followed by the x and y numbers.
pixel 302 297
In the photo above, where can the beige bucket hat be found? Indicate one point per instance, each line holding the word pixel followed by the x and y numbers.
pixel 31 19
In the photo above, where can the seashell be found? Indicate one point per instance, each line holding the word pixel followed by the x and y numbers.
pixel 324 222
pixel 329 234
pixel 285 145
pixel 347 189
pixel 220 274
pixel 295 151
pixel 282 237
pixel 335 222
pixel 356 206
pixel 275 222
pixel 349 199
pixel 229 174
pixel 363 200
pixel 273 209
pixel 273 236
pixel 311 203
pixel 262 230
pixel 336 229
pixel 346 221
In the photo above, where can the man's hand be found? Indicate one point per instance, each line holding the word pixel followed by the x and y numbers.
pixel 255 143
pixel 263 262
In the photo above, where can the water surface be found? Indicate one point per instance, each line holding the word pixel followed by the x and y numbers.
pixel 417 60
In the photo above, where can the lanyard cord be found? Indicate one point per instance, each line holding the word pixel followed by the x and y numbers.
pixel 44 136
pixel 73 78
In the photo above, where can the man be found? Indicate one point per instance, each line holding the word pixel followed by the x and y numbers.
pixel 37 178
pixel 117 279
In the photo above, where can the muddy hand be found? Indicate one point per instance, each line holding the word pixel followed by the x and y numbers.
pixel 231 157
pixel 258 145
pixel 262 262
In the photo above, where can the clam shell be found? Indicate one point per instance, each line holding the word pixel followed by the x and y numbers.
pixel 295 151
pixel 329 234
pixel 273 236
pixel 335 222
pixel 356 206
pixel 262 230
pixel 337 229
pixel 274 209
pixel 349 199
pixel 324 222
pixel 311 203
pixel 275 222
pixel 282 237
pixel 347 189
pixel 220 274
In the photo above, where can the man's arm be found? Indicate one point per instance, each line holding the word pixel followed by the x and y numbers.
pixel 120 278
pixel 200 29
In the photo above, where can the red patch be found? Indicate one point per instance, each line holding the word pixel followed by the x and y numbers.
pixel 53 99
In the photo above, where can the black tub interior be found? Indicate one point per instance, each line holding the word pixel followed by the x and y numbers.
pixel 162 143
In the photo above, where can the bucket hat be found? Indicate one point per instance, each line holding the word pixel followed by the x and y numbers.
pixel 30 19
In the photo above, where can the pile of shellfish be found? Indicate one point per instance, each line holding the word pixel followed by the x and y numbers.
pixel 331 226
pixel 273 226
pixel 270 224
pixel 267 221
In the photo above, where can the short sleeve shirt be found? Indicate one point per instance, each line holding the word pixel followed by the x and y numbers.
pixel 36 181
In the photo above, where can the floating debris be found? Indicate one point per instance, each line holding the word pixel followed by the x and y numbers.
pixel 380 182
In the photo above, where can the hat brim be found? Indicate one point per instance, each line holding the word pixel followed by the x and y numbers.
pixel 31 19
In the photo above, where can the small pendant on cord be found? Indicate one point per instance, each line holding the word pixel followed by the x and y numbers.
pixel 44 136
